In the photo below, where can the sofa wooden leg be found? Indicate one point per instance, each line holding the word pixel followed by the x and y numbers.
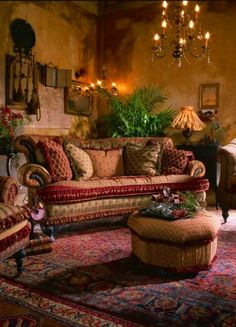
pixel 19 256
pixel 225 214
pixel 50 231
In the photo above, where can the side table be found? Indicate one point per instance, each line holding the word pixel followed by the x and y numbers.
pixel 207 153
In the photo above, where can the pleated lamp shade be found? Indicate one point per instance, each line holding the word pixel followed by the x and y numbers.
pixel 188 120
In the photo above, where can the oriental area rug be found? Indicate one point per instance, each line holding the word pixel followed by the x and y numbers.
pixel 91 278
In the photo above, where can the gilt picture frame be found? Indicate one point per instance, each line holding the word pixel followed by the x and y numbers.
pixel 76 101
pixel 209 96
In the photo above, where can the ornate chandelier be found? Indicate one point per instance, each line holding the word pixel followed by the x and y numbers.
pixel 181 34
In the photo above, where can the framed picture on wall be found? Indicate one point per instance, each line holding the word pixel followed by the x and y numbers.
pixel 77 101
pixel 209 96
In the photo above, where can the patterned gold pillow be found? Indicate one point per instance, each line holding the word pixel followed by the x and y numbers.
pixel 107 163
pixel 141 160
pixel 80 162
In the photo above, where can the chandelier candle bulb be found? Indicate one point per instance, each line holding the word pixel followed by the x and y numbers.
pixel 207 37
pixel 197 9
pixel 164 24
pixel 191 24
pixel 164 4
pixel 185 3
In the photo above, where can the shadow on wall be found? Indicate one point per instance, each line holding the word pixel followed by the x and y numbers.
pixel 83 127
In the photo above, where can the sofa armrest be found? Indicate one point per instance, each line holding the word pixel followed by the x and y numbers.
pixel 32 175
pixel 8 189
pixel 196 168
pixel 226 155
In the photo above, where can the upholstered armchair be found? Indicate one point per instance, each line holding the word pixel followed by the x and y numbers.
pixel 227 185
pixel 14 224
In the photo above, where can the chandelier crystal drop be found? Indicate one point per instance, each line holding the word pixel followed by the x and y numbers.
pixel 181 34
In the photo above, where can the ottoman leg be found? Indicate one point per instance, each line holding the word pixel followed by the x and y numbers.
pixel 19 256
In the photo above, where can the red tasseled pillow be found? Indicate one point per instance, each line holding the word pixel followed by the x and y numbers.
pixel 57 162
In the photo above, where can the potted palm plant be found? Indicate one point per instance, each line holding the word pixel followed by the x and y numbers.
pixel 136 114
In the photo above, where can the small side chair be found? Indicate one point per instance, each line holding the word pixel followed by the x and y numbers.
pixel 15 227
pixel 227 184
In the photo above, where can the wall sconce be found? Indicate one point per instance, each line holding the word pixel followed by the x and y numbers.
pixel 87 91
pixel 80 72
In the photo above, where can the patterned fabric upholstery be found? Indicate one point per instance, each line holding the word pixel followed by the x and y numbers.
pixel 185 245
pixel 141 160
pixel 11 215
pixel 106 163
pixel 84 199
pixel 80 162
pixel 57 161
pixel 14 229
pixel 203 226
pixel 8 189
pixel 175 161
pixel 72 191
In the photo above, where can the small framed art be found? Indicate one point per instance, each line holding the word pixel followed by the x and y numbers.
pixel 77 100
pixel 209 96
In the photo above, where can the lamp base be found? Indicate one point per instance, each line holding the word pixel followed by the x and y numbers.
pixel 187 133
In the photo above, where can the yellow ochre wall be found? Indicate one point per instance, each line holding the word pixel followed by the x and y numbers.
pixel 127 50
pixel 66 37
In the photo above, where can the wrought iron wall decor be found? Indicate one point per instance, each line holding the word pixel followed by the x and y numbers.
pixel 21 70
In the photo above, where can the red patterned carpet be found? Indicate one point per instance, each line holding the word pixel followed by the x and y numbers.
pixel 92 279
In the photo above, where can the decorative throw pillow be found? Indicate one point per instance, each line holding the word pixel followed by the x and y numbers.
pixel 141 160
pixel 174 161
pixel 57 162
pixel 80 161
pixel 106 163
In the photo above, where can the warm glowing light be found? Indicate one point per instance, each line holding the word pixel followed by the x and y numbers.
pixel 207 35
pixel 113 84
pixel 180 33
pixel 99 83
pixel 164 4
pixel 156 37
pixel 164 24
pixel 92 85
pixel 191 24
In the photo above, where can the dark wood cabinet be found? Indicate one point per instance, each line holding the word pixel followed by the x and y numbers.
pixel 207 153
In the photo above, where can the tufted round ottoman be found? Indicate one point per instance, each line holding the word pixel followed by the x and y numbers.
pixel 184 245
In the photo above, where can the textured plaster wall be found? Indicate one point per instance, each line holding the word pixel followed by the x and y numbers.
pixel 127 50
pixel 66 36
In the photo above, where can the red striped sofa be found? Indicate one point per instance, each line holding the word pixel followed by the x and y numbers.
pixel 69 201
pixel 15 227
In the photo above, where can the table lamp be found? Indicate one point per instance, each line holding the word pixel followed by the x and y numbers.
pixel 188 120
